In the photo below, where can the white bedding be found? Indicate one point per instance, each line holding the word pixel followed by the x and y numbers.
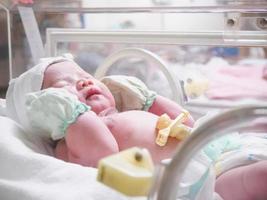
pixel 26 173
pixel 2 107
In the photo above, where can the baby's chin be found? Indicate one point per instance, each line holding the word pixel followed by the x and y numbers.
pixel 100 106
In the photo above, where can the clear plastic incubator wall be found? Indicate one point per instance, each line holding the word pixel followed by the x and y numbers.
pixel 207 55
pixel 214 49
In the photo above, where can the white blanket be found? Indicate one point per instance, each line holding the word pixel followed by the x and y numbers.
pixel 26 173
pixel 2 107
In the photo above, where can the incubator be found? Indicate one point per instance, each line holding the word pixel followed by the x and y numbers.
pixel 209 56
pixel 216 56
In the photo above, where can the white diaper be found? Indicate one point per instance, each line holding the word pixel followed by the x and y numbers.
pixel 252 148
pixel 217 157
pixel 129 92
pixel 52 110
pixel 200 184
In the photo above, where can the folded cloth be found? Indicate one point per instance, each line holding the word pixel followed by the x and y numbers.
pixel 237 82
pixel 29 81
pixel 129 92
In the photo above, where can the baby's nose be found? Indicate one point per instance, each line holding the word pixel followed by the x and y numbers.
pixel 83 83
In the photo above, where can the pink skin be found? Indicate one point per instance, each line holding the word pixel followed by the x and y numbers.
pixel 78 142
pixel 163 105
pixel 244 183
pixel 74 79
pixel 93 137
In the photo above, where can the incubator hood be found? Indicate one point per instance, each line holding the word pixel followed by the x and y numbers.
pixel 165 6
pixel 179 32
pixel 206 20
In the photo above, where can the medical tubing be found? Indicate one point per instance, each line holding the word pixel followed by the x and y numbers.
pixel 229 121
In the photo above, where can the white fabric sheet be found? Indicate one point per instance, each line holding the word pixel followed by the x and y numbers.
pixel 2 107
pixel 26 173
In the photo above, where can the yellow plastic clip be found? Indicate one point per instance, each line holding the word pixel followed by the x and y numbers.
pixel 172 128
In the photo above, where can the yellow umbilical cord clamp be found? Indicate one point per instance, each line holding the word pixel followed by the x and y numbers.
pixel 172 128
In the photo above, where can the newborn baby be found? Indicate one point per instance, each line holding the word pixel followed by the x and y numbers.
pixel 95 129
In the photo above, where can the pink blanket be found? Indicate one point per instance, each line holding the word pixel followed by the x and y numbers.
pixel 237 82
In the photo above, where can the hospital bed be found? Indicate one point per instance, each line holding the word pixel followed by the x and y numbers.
pixel 28 173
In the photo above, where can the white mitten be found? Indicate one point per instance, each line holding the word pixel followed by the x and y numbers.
pixel 129 92
pixel 52 110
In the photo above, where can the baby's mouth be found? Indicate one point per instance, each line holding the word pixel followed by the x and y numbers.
pixel 91 92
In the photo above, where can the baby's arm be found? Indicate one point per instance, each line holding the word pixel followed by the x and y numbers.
pixel 55 114
pixel 163 105
pixel 89 139
pixel 132 94
pixel 244 183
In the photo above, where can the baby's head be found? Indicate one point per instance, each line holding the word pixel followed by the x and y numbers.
pixel 61 72
pixel 73 78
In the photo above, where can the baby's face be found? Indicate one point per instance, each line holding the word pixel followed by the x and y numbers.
pixel 71 77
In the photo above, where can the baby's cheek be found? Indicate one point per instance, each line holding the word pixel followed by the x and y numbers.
pixel 109 98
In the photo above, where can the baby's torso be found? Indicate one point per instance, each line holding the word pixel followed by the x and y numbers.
pixel 132 127
pixel 138 128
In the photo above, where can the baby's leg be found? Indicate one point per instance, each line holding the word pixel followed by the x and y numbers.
pixel 244 183
pixel 61 151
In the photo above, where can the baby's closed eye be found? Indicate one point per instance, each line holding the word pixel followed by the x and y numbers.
pixel 60 84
